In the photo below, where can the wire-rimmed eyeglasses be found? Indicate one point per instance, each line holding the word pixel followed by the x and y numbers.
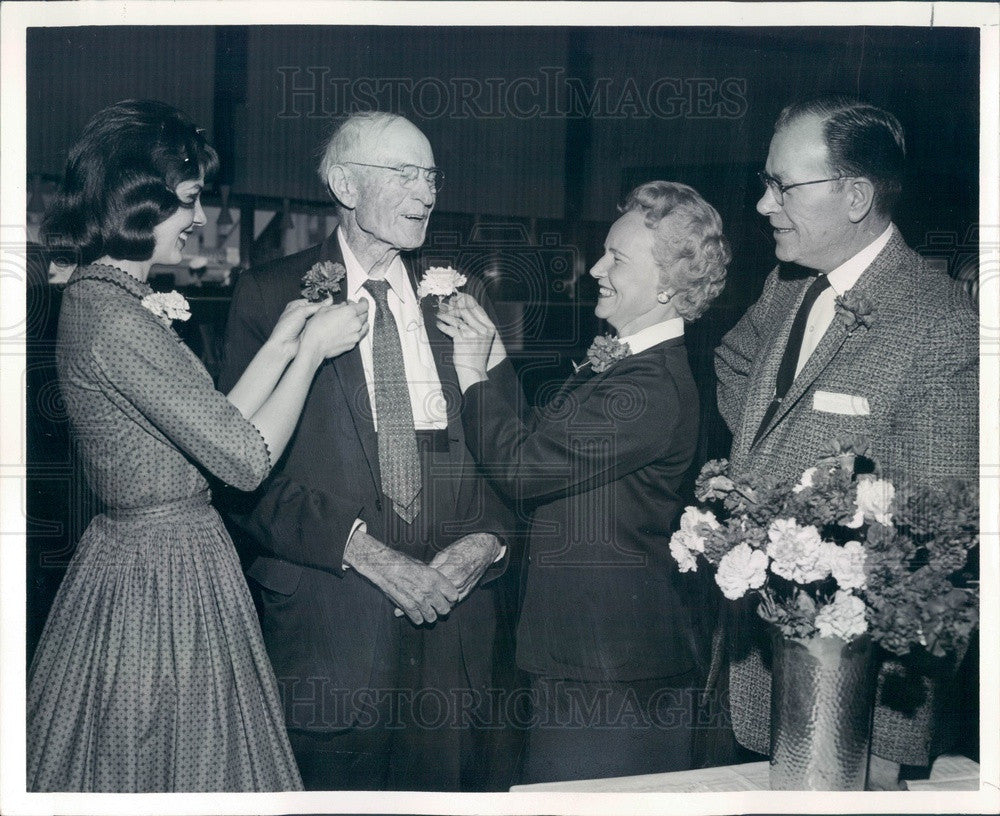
pixel 778 189
pixel 409 173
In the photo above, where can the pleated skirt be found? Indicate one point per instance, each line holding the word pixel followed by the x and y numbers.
pixel 151 674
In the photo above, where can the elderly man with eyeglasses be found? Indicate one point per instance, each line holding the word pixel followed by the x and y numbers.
pixel 376 534
pixel 902 371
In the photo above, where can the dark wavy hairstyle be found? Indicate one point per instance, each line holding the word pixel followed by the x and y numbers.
pixel 688 245
pixel 120 182
pixel 861 140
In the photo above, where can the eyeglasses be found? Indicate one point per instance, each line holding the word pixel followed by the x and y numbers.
pixel 409 173
pixel 778 189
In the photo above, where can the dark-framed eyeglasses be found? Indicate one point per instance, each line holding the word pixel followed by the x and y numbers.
pixel 409 173
pixel 778 189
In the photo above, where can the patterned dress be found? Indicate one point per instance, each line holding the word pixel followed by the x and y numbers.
pixel 151 674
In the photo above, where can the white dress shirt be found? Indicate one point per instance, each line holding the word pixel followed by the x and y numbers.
pixel 430 411
pixel 651 335
pixel 841 280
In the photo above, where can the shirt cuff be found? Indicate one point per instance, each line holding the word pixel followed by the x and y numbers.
pixel 358 525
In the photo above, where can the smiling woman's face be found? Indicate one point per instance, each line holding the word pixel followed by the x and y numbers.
pixel 172 234
pixel 628 276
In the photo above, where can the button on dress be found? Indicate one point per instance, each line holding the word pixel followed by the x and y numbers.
pixel 151 674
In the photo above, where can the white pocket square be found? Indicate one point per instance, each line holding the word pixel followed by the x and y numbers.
pixel 831 402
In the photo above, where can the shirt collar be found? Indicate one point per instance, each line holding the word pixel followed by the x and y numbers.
pixel 357 276
pixel 651 335
pixel 846 275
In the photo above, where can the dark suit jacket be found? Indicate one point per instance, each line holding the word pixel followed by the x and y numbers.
pixel 917 367
pixel 329 631
pixel 602 465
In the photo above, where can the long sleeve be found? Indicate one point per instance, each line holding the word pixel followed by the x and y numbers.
pixel 287 518
pixel 736 355
pixel 608 426
pixel 934 433
pixel 145 364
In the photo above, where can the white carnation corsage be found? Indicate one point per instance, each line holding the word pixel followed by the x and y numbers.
pixel 168 306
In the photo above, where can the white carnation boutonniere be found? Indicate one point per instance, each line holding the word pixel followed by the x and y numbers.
pixel 322 280
pixel 440 281
pixel 853 310
pixel 168 306
pixel 603 353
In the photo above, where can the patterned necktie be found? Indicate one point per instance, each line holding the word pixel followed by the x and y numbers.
pixel 790 359
pixel 397 441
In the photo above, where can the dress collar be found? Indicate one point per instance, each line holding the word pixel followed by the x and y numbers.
pixel 652 335
pixel 113 275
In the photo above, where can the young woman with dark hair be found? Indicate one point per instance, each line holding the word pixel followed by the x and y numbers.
pixel 151 674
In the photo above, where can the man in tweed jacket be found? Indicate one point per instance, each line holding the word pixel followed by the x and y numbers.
pixel 905 374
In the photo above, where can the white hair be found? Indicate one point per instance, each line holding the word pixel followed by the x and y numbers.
pixel 358 129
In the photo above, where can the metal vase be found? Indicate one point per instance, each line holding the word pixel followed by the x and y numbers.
pixel 822 695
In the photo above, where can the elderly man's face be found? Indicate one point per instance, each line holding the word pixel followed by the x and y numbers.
pixel 389 211
pixel 811 226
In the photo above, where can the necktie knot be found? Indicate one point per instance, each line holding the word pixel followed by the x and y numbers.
pixel 820 282
pixel 379 289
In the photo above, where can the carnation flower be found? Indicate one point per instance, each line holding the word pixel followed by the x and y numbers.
pixel 441 281
pixel 167 306
pixel 322 280
pixel 680 549
pixel 875 499
pixel 692 517
pixel 843 617
pixel 604 352
pixel 847 564
pixel 689 539
pixel 797 553
pixel 741 569
pixel 853 310
pixel 805 481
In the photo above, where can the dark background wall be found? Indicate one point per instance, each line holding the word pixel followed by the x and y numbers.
pixel 541 131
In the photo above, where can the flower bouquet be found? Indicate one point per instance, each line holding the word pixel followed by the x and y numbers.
pixel 840 556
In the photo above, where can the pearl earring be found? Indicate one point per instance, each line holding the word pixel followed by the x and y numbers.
pixel 663 297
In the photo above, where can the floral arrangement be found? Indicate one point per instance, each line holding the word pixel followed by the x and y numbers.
pixel 168 306
pixel 440 281
pixel 322 280
pixel 604 352
pixel 841 552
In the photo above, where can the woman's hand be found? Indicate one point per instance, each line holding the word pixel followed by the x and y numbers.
pixel 335 328
pixel 473 333
pixel 286 332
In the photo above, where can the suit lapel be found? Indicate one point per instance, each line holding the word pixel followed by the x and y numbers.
pixel 766 373
pixel 442 351
pixel 350 373
pixel 872 285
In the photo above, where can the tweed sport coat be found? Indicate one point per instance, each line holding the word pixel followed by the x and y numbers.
pixel 916 370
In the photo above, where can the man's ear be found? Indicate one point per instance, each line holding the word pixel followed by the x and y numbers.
pixel 343 186
pixel 861 197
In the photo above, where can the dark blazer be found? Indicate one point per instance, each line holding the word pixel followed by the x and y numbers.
pixel 916 367
pixel 329 631
pixel 602 466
